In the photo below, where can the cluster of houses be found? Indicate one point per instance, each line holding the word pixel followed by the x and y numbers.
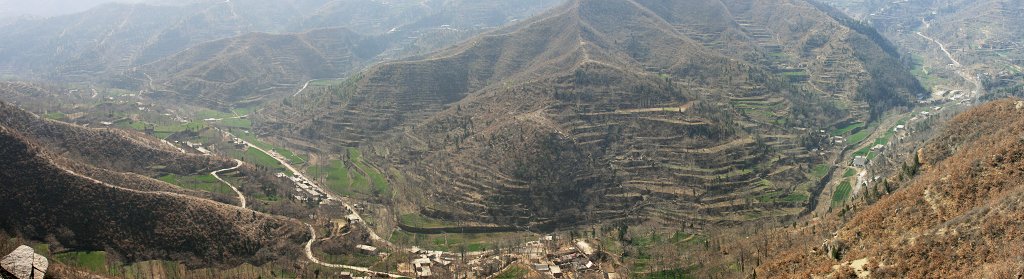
pixel 574 259
pixel 305 190
pixel 198 147
pixel 423 261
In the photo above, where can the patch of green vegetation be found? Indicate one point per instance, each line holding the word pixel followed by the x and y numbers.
pixel 338 179
pixel 842 192
pixel 373 176
pixel 872 155
pixel 420 221
pixel 206 183
pixel 256 156
pixel 820 170
pixel 848 129
pixel 93 261
pixel 134 125
pixel 777 196
pixel 514 272
pixel 859 136
pixel 849 172
pixel 55 115
pixel 863 151
pixel 42 249
pixel 795 198
pixel 799 73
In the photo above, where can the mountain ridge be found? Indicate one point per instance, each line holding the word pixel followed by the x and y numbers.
pixel 625 99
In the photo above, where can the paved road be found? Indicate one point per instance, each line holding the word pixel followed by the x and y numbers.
pixel 241 197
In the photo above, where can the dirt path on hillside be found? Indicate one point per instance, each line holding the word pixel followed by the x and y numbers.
pixel 215 173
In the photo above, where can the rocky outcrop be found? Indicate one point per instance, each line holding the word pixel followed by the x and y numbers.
pixel 24 263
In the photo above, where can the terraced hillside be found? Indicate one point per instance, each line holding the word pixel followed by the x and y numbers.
pixel 960 216
pixel 56 186
pixel 605 110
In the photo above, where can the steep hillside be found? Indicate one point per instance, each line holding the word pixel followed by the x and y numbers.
pixel 960 217
pixel 605 110
pixel 43 199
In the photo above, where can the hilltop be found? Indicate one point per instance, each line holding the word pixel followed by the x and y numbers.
pixel 602 111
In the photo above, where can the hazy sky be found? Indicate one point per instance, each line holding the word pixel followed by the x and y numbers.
pixel 50 7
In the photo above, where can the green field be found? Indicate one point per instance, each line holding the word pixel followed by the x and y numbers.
pixel 420 221
pixel 42 249
pixel 778 197
pixel 352 176
pixel 849 173
pixel 863 151
pixel 54 116
pixel 842 192
pixel 92 261
pixel 847 129
pixel 338 178
pixel 820 170
pixel 206 183
pixel 859 136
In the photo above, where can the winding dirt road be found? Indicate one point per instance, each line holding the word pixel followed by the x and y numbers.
pixel 215 173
